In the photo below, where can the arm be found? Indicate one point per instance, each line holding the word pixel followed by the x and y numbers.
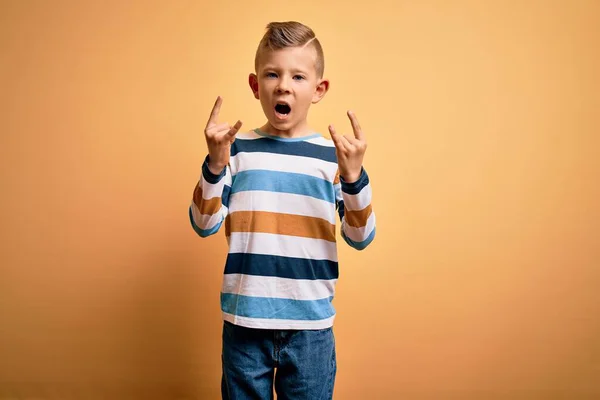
pixel 209 206
pixel 352 187
pixel 211 194
pixel 355 211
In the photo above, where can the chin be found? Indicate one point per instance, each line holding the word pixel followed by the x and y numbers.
pixel 281 125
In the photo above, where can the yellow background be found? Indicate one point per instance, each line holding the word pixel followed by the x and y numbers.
pixel 483 131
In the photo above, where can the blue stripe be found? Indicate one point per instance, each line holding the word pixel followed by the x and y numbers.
pixel 273 308
pixel 300 148
pixel 283 182
pixel 279 266
pixel 360 245
pixel 209 176
pixel 355 187
pixel 341 210
pixel 225 195
pixel 203 232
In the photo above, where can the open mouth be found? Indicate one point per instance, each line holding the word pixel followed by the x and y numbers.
pixel 282 109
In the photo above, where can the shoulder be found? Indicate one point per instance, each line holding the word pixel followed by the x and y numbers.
pixel 248 135
pixel 321 140
pixel 321 147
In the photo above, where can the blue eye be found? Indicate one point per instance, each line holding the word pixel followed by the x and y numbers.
pixel 271 75
pixel 299 77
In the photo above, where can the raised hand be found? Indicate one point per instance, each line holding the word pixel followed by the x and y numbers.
pixel 350 150
pixel 219 138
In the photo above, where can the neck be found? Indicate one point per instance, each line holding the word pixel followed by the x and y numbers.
pixel 296 131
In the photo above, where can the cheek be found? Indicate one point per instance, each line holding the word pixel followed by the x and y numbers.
pixel 307 95
pixel 265 84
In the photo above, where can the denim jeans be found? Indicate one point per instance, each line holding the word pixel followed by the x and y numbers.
pixel 300 364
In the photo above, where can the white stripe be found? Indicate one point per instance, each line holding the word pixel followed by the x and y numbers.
pixel 337 187
pixel 266 323
pixel 358 201
pixel 285 203
pixel 284 163
pixel 210 190
pixel 282 245
pixel 321 141
pixel 205 221
pixel 276 287
pixel 359 234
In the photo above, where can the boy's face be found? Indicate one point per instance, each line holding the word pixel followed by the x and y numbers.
pixel 286 83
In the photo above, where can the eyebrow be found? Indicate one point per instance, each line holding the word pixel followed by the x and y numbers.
pixel 296 70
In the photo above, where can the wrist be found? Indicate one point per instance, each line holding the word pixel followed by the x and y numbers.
pixel 210 172
pixel 214 165
pixel 215 169
pixel 351 177
pixel 356 186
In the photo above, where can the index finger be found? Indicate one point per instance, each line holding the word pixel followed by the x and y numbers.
pixel 334 136
pixel 358 133
pixel 214 114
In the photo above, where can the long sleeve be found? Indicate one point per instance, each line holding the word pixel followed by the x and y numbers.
pixel 209 205
pixel 355 211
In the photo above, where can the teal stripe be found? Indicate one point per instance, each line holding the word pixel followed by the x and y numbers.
pixel 283 182
pixel 360 245
pixel 275 308
pixel 204 232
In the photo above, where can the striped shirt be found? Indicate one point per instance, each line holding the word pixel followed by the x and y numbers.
pixel 279 200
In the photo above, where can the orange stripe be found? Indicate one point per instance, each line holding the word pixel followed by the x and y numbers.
pixel 206 207
pixel 357 218
pixel 336 180
pixel 280 224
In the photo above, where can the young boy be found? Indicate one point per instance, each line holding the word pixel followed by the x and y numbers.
pixel 277 188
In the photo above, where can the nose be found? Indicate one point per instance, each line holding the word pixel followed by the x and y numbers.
pixel 282 85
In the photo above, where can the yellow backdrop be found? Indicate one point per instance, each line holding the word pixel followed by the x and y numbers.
pixel 483 131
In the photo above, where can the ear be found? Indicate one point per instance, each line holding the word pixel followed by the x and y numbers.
pixel 320 90
pixel 253 82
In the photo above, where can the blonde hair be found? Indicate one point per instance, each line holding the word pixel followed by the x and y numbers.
pixel 280 35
